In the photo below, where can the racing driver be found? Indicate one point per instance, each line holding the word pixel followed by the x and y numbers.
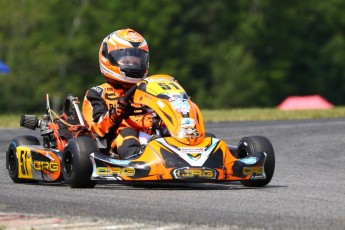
pixel 123 61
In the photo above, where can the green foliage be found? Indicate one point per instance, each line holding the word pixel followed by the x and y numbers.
pixel 225 53
pixel 228 115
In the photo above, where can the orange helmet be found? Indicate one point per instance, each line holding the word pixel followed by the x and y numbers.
pixel 124 56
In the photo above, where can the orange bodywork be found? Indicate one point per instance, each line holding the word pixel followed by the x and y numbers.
pixel 38 163
pixel 154 93
pixel 168 159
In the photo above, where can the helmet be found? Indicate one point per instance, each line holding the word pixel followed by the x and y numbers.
pixel 124 57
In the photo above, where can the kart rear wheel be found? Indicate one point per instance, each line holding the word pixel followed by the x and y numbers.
pixel 250 145
pixel 12 159
pixel 76 162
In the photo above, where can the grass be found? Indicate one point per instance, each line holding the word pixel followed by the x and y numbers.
pixel 9 120
pixel 248 114
pixel 260 114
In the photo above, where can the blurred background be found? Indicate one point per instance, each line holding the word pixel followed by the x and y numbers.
pixel 226 54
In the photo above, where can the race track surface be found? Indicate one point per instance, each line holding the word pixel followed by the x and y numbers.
pixel 307 190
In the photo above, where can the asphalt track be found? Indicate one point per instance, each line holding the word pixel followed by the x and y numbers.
pixel 307 190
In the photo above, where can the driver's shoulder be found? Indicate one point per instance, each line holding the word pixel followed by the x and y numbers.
pixel 105 87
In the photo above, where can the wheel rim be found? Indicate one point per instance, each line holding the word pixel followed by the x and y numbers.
pixel 68 163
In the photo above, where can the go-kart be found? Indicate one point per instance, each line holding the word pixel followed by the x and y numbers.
pixel 180 152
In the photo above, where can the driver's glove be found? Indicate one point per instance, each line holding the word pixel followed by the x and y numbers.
pixel 122 110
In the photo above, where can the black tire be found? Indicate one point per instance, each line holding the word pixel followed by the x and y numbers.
pixel 250 145
pixel 210 135
pixel 12 160
pixel 76 162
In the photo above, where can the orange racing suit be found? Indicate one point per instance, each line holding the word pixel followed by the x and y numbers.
pixel 118 135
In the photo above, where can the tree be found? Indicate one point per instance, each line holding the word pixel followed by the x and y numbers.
pixel 226 54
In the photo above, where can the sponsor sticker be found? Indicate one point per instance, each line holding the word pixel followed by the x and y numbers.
pixel 160 104
pixel 192 150
pixel 187 123
pixel 98 89
pixel 253 170
pixel 188 173
pixel 115 171
pixel 180 105
pixel 46 166
pixel 250 160
pixel 119 162
pixel 194 156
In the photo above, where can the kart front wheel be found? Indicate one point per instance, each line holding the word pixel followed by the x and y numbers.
pixel 76 162
pixel 250 145
pixel 12 157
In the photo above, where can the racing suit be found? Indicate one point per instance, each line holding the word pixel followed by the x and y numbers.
pixel 117 136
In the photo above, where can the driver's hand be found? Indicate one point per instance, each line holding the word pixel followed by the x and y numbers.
pixel 122 110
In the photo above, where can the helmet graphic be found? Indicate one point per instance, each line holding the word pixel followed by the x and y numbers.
pixel 124 56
